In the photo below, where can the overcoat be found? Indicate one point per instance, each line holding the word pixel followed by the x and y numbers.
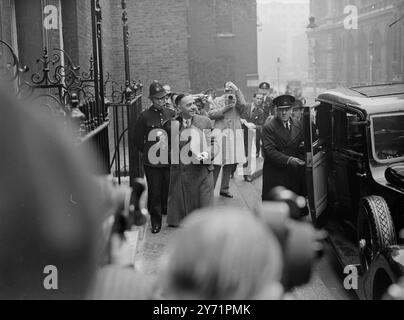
pixel 191 185
pixel 257 117
pixel 278 145
pixel 228 130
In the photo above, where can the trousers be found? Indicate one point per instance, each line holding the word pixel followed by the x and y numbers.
pixel 158 182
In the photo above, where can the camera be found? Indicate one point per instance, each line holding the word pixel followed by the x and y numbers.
pixel 124 213
pixel 201 100
pixel 301 243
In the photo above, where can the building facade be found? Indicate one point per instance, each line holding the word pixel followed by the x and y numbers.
pixel 282 34
pixel 222 42
pixel 347 54
pixel 190 44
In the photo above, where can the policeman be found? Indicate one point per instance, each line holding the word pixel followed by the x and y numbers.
pixel 268 106
pixel 282 137
pixel 157 172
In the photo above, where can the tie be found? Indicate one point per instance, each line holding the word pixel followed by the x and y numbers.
pixel 288 127
pixel 187 123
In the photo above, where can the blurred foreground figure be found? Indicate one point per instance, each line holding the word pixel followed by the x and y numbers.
pixel 119 278
pixel 223 253
pixel 48 208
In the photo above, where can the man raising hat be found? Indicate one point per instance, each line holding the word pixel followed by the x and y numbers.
pixel 281 138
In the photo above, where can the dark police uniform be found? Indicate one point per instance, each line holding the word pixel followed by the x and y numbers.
pixel 157 175
pixel 280 144
pixel 267 104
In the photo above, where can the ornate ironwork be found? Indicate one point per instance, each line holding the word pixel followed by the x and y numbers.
pixel 13 70
pixel 126 104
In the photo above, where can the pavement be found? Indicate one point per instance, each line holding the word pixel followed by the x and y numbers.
pixel 327 279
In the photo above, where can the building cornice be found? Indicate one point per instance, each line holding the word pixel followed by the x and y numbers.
pixel 339 24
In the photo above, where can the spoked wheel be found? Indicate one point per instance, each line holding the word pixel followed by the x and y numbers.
pixel 375 229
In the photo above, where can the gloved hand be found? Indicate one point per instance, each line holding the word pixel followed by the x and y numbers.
pixel 296 162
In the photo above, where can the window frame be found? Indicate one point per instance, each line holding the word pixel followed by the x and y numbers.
pixel 343 147
pixel 372 140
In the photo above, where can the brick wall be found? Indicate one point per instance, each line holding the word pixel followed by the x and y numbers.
pixel 5 20
pixel 158 42
pixel 158 39
pixel 215 57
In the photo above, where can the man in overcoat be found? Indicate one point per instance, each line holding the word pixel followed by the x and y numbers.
pixel 226 113
pixel 192 150
pixel 268 106
pixel 253 118
pixel 282 139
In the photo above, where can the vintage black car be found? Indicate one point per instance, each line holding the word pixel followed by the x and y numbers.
pixel 354 146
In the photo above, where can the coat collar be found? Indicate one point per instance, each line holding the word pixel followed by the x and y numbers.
pixel 284 133
pixel 180 119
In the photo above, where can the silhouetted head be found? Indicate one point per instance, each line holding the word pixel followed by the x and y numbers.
pixel 223 253
pixel 48 207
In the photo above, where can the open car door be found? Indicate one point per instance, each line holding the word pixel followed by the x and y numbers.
pixel 316 151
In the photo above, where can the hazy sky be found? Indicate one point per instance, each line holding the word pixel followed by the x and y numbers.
pixel 284 1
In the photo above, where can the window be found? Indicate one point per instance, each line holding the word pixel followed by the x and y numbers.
pixel 388 137
pixel 348 132
pixel 224 17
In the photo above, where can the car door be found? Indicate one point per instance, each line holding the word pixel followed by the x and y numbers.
pixel 316 120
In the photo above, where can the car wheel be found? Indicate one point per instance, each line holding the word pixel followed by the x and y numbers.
pixel 375 229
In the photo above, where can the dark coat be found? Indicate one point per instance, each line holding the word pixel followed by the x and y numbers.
pixel 147 121
pixel 268 107
pixel 191 185
pixel 278 146
pixel 256 117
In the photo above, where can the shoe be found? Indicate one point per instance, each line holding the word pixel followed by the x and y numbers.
pixel 156 229
pixel 248 178
pixel 226 194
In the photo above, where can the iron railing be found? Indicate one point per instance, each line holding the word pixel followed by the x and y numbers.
pixel 80 98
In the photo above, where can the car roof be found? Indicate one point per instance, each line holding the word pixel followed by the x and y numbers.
pixel 369 99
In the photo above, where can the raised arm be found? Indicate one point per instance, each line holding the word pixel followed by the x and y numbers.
pixel 218 110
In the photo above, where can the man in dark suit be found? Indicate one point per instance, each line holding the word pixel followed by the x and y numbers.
pixel 267 104
pixel 192 150
pixel 253 118
pixel 282 137
pixel 157 172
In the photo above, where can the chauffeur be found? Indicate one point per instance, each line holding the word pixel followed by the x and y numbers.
pixel 281 137
pixel 157 174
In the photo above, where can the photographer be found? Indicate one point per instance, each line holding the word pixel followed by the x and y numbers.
pixel 226 112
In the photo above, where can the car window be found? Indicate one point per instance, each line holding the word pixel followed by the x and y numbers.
pixel 348 135
pixel 388 137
